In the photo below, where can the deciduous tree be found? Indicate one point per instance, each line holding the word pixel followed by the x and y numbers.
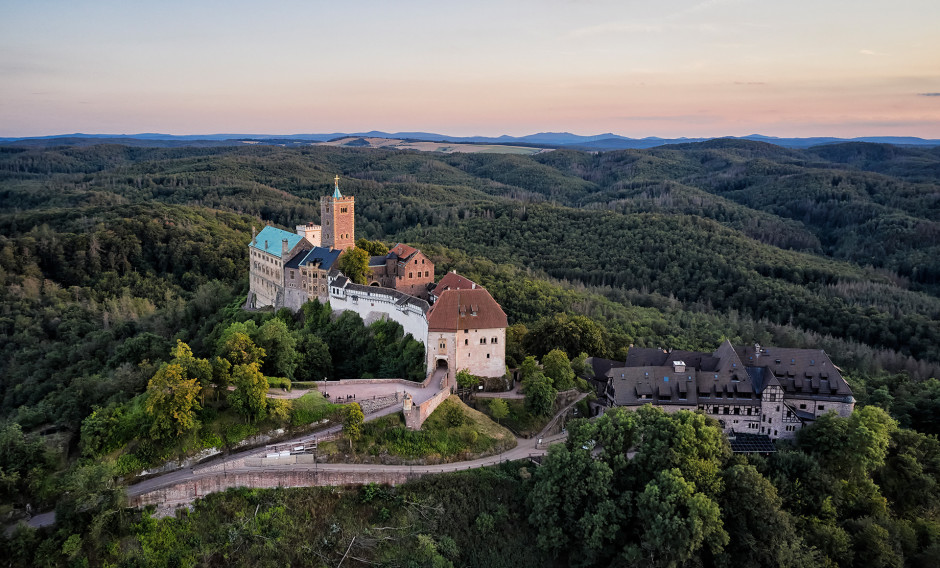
pixel 557 367
pixel 354 264
pixel 250 389
pixel 499 409
pixel 540 395
pixel 172 401
pixel 353 419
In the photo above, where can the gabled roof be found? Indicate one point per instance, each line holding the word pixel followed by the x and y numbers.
pixel 454 281
pixel 798 370
pixel 270 240
pixel 466 309
pixel 403 251
pixel 296 260
pixel 600 366
pixel 322 257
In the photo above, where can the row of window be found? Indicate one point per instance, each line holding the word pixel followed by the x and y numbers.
pixel 265 257
pixel 730 410
pixel 482 342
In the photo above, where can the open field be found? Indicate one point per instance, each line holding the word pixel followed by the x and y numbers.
pixel 443 147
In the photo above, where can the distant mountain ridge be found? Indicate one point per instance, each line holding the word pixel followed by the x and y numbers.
pixel 607 141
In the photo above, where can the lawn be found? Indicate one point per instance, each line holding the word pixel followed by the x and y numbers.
pixel 310 408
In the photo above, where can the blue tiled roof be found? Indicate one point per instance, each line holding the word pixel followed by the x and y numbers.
pixel 320 255
pixel 270 238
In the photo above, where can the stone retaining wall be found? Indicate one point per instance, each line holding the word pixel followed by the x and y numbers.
pixel 267 479
pixel 415 417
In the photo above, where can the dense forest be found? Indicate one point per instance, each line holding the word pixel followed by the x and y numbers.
pixel 110 255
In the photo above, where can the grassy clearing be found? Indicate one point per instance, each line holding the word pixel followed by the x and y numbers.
pixel 310 408
pixel 453 432
pixel 519 420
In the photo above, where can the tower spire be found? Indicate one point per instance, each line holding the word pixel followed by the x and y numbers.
pixel 336 193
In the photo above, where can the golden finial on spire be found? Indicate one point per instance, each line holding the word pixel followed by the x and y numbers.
pixel 336 181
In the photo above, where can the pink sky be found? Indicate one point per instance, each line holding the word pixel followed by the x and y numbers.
pixel 635 68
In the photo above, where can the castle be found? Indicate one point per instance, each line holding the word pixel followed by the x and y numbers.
pixel 768 391
pixel 459 322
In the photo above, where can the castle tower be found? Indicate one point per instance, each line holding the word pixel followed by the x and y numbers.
pixel 337 219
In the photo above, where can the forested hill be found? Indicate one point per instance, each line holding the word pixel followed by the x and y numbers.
pixel 837 246
pixel 110 254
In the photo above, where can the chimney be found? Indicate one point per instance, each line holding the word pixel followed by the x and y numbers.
pixel 265 246
pixel 254 236
pixel 284 248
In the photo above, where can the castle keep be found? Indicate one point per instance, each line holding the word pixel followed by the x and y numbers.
pixel 466 324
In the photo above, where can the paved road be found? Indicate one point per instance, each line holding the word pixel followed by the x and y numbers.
pixel 234 463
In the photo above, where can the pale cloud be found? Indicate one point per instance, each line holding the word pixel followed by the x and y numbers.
pixel 640 28
pixel 929 94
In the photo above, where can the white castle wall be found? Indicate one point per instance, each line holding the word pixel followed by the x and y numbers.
pixel 375 303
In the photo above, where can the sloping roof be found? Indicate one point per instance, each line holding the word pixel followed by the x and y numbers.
pixel 376 261
pixel 742 443
pixel 270 240
pixel 799 370
pixel 630 383
pixel 599 366
pixel 466 309
pixel 323 257
pixel 297 258
pixel 403 251
pixel 645 357
pixel 399 298
pixel 454 281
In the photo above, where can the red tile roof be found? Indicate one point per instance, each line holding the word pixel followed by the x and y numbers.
pixel 454 281
pixel 403 251
pixel 455 309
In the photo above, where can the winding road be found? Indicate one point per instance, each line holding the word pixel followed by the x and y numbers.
pixel 235 463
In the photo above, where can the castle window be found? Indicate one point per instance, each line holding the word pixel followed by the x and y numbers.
pixel 443 345
pixel 466 331
pixel 487 355
pixel 410 275
pixel 466 342
pixel 493 341
pixel 822 407
pixel 802 407
pixel 425 273
pixel 482 341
